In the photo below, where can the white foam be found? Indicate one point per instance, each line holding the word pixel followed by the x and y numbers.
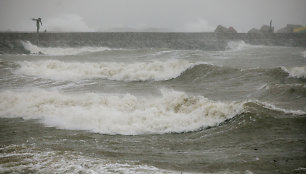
pixel 60 51
pixel 27 159
pixel 138 71
pixel 118 114
pixel 238 45
pixel 304 54
pixel 275 108
pixel 297 72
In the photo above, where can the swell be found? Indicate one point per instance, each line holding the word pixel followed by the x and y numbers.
pixel 177 70
pixel 201 70
pixel 204 71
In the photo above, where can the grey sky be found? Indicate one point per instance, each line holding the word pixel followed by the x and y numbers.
pixel 173 15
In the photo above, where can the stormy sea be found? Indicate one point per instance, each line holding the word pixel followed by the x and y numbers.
pixel 152 103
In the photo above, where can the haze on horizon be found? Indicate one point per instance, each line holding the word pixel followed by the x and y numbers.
pixel 149 15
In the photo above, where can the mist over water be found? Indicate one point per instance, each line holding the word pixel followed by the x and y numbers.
pixel 132 105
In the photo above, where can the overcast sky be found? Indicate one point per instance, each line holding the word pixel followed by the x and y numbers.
pixel 171 15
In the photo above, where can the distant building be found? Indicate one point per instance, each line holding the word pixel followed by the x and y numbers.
pixel 254 30
pixel 300 30
pixel 289 28
pixel 266 29
pixel 222 29
pixel 231 30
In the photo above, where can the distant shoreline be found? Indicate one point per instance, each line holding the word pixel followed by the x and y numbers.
pixel 167 32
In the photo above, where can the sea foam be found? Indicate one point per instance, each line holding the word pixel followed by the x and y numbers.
pixel 127 114
pixel 59 51
pixel 21 158
pixel 137 71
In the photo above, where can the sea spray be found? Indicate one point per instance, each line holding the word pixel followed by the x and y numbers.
pixel 238 45
pixel 125 114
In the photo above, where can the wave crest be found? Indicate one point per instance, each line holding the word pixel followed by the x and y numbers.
pixel 59 51
pixel 138 71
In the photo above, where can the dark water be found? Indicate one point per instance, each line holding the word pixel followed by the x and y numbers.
pixel 152 103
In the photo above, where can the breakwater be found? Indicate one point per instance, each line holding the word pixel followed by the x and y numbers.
pixel 201 41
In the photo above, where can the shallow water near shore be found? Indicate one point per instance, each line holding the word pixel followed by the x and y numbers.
pixel 102 109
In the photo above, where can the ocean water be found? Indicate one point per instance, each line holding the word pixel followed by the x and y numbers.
pixel 123 106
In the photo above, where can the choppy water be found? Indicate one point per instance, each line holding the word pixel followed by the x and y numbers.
pixel 99 109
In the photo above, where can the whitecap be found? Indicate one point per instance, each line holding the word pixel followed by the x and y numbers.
pixel 60 51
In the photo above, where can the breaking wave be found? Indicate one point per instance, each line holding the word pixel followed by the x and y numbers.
pixel 60 51
pixel 296 72
pixel 138 71
pixel 181 70
pixel 125 114
pixel 238 45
